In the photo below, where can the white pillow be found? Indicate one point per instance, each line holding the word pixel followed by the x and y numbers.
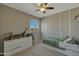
pixel 68 39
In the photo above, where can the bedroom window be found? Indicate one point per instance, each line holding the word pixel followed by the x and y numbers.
pixel 34 24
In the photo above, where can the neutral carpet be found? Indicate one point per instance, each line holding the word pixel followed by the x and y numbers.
pixel 38 50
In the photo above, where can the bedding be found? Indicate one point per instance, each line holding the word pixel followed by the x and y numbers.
pixel 53 41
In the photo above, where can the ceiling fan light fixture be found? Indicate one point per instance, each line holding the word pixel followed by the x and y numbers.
pixel 42 9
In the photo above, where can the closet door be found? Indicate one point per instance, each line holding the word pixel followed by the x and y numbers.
pixel 75 23
pixel 64 23
pixel 50 26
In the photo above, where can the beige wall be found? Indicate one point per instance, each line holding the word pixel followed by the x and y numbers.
pixel 12 20
pixel 61 24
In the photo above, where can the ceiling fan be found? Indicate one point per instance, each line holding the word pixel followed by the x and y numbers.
pixel 43 7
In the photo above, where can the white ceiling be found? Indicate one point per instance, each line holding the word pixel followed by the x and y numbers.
pixel 31 8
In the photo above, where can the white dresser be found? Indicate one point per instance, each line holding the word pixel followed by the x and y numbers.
pixel 13 46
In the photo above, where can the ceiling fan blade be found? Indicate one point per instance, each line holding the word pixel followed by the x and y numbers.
pixel 50 8
pixel 38 10
pixel 45 4
pixel 41 5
